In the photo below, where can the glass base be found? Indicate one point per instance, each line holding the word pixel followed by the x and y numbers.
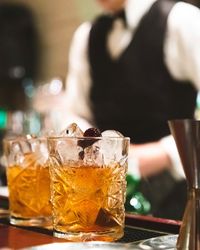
pixel 108 236
pixel 4 213
pixel 33 222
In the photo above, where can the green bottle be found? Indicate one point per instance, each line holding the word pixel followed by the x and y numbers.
pixel 135 201
pixel 3 125
pixel 3 118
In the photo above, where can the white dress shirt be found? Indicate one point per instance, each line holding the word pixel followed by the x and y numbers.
pixel 181 55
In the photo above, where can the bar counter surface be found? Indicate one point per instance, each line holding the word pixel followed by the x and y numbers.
pixel 137 228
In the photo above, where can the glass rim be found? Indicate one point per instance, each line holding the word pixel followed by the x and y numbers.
pixel 87 138
pixel 23 138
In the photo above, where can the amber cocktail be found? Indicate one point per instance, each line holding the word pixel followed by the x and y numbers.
pixel 88 187
pixel 28 181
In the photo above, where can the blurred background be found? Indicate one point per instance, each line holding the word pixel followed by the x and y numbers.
pixel 55 22
pixel 35 37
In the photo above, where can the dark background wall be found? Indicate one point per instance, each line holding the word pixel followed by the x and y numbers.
pixel 56 22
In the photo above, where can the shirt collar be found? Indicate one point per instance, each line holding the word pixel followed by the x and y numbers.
pixel 135 10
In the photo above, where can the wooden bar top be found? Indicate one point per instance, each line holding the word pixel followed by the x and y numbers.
pixel 12 237
pixel 16 238
pixel 137 228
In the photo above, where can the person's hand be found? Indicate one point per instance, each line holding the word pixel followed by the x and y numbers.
pixel 148 159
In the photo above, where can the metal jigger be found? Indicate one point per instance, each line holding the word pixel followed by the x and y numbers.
pixel 186 133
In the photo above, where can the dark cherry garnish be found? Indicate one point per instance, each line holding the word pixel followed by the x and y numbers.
pixel 90 132
pixel 81 155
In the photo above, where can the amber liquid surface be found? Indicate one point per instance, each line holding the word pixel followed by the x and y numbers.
pixel 88 199
pixel 29 189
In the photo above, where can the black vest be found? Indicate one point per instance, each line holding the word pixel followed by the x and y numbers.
pixel 135 94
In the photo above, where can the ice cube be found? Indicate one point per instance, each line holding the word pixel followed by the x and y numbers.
pixel 68 150
pixel 16 155
pixel 24 144
pixel 16 147
pixel 41 150
pixel 111 133
pixel 112 146
pixel 93 155
pixel 72 130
